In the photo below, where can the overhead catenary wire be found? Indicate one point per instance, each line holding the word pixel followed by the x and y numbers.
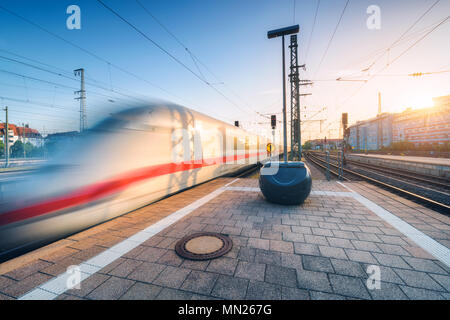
pixel 195 59
pixel 332 37
pixel 415 43
pixel 394 60
pixel 89 52
pixel 66 76
pixel 59 85
pixel 406 32
pixel 380 52
pixel 312 30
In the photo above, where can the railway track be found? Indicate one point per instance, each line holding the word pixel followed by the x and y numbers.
pixel 441 184
pixel 435 199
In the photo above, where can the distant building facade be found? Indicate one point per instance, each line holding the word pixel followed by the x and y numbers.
pixel 430 125
pixel 62 135
pixel 319 144
pixel 371 134
pixel 423 126
pixel 23 134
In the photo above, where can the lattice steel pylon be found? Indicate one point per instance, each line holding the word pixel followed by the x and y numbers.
pixel 296 145
pixel 82 98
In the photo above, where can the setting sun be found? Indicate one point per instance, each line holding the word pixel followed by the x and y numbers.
pixel 418 101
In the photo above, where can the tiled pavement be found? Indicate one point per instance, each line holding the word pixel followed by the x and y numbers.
pixel 320 250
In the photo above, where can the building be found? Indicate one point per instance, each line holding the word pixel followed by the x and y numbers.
pixel 59 136
pixel 23 134
pixel 55 140
pixel 319 144
pixel 423 126
pixel 372 134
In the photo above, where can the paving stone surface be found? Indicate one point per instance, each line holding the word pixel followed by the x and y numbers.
pixel 322 249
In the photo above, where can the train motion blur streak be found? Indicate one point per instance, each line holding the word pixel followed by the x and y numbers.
pixel 129 160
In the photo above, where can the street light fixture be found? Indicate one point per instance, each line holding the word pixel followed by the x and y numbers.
pixel 281 33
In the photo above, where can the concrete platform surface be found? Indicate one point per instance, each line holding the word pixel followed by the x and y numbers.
pixel 326 248
pixel 427 160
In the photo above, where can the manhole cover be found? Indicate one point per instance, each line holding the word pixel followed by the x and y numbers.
pixel 203 246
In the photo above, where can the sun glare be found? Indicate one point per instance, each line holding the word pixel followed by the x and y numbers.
pixel 414 102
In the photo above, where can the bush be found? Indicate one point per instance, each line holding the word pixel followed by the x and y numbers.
pixel 307 145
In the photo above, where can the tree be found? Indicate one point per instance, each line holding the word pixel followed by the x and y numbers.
pixel 2 149
pixel 17 149
pixel 28 149
pixel 307 145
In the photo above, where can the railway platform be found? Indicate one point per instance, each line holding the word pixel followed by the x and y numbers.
pixel 327 248
pixel 439 167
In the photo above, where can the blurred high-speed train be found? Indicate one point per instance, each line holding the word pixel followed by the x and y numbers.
pixel 128 160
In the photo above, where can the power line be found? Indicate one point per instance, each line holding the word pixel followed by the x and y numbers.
pixel 332 37
pixel 173 36
pixel 42 104
pixel 169 54
pixel 418 74
pixel 89 83
pixel 64 76
pixel 398 57
pixel 87 51
pixel 39 114
pixel 196 60
pixel 54 83
pixel 150 39
pixel 415 43
pixel 406 31
pixel 174 58
pixel 293 22
pixel 380 52
pixel 36 79
pixel 312 30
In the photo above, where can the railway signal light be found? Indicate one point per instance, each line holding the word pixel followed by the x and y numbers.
pixel 273 121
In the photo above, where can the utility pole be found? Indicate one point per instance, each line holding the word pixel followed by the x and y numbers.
pixel 82 98
pixel 6 139
pixel 285 150
pixel 23 140
pixel 296 147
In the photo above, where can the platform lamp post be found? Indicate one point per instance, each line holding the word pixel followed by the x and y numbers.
pixel 281 33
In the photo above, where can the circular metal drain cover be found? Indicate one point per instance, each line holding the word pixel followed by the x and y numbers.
pixel 203 246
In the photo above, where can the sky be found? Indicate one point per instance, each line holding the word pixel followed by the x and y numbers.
pixel 236 72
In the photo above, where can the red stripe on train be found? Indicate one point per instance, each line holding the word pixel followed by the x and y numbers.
pixel 105 188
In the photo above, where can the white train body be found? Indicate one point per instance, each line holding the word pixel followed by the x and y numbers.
pixel 129 160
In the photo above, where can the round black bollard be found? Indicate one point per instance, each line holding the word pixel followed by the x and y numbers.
pixel 290 184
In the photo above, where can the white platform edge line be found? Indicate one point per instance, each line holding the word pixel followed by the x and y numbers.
pixel 430 245
pixel 57 286
pixel 314 193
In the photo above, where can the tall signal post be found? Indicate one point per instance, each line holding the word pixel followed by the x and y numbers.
pixel 82 98
pixel 274 34
pixel 380 124
pixel 273 124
